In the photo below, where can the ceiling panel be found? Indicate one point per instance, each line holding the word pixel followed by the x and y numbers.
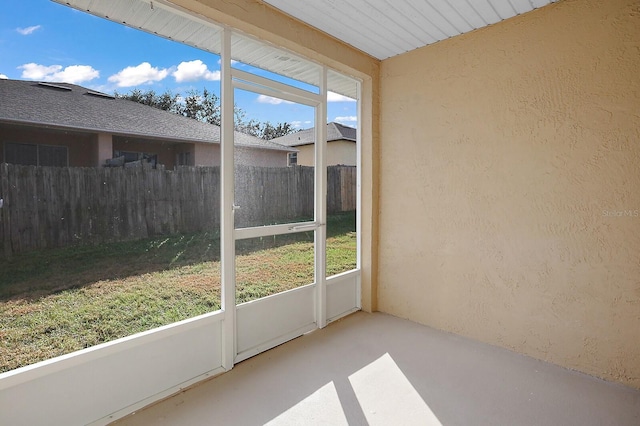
pixel 381 28
pixel 385 28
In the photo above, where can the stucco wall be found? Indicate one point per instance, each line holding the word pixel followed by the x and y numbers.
pixel 510 186
pixel 339 153
pixel 260 157
pixel 206 154
pixel 104 148
pixel 306 155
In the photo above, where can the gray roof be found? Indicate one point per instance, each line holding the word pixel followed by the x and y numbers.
pixel 73 107
pixel 335 132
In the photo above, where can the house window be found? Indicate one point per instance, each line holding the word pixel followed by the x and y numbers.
pixel 292 159
pixel 53 156
pixel 184 159
pixel 36 155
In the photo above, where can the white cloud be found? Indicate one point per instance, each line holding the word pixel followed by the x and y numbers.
pixel 77 74
pixel 263 99
pixel 300 124
pixel 194 71
pixel 3 77
pixel 346 119
pixel 335 97
pixel 72 74
pixel 28 30
pixel 34 71
pixel 141 74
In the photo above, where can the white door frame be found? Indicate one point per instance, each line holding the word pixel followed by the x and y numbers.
pixel 231 79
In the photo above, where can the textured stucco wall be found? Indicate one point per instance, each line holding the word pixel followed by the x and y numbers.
pixel 104 148
pixel 510 186
pixel 260 157
pixel 306 154
pixel 339 153
pixel 206 154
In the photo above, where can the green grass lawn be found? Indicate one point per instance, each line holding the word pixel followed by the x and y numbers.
pixel 53 302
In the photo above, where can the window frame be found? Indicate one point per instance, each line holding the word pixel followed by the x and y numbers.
pixel 292 159
pixel 38 146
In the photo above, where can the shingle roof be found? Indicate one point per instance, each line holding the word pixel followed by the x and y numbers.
pixel 73 107
pixel 335 132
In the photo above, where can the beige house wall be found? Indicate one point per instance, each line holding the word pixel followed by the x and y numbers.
pixel 104 149
pixel 510 186
pixel 206 154
pixel 305 155
pixel 260 157
pixel 339 153
pixel 209 155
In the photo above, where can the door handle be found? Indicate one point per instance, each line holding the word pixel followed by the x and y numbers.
pixel 313 225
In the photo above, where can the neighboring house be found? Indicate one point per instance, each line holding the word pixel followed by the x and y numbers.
pixel 60 124
pixel 341 146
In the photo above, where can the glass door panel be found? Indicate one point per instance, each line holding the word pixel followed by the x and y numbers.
pixel 274 216
pixel 274 195
pixel 274 160
pixel 270 265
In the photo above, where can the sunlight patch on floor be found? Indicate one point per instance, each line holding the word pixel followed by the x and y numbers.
pixel 321 407
pixel 387 397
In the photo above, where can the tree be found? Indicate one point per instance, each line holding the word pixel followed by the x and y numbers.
pixel 241 124
pixel 167 101
pixel 269 131
pixel 205 107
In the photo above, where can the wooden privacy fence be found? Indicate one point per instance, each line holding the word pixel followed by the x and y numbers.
pixel 267 195
pixel 55 207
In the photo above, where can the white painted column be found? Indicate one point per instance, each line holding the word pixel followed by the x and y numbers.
pixel 321 203
pixel 227 243
pixel 359 194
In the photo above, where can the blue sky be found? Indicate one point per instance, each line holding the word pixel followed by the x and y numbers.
pixel 44 41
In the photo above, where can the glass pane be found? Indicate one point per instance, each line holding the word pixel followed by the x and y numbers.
pixel 90 253
pixel 18 153
pixel 270 265
pixel 341 176
pixel 274 176
pixel 341 238
pixel 109 253
pixel 54 156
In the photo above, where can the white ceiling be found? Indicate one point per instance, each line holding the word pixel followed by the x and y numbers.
pixel 381 28
pixel 385 28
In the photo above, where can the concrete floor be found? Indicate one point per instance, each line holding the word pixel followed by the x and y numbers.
pixel 380 370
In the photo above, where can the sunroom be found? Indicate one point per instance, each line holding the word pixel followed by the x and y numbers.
pixel 496 222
